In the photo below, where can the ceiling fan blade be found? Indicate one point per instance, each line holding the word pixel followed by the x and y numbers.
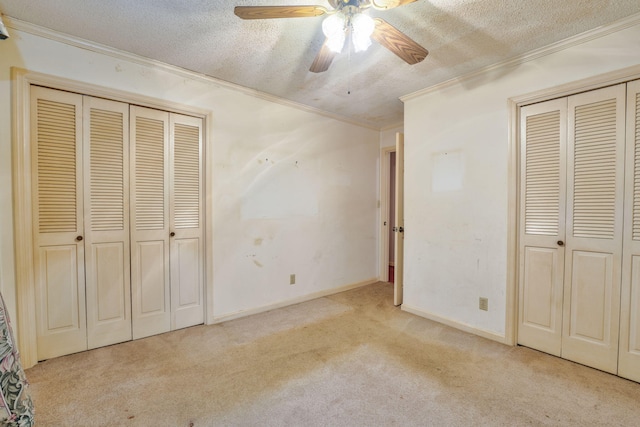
pixel 397 42
pixel 269 12
pixel 323 59
pixel 389 4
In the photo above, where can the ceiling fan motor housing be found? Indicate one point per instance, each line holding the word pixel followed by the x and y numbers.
pixel 340 4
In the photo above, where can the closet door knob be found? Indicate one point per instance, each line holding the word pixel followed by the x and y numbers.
pixel 172 234
pixel 79 238
pixel 560 243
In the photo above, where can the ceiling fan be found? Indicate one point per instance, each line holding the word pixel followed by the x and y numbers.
pixel 346 23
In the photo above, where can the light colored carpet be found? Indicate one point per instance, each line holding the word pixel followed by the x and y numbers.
pixel 351 359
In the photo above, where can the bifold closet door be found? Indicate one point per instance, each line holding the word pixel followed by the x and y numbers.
pixel 186 213
pixel 543 136
pixel 81 232
pixel 629 357
pixel 151 309
pixel 56 141
pixel 571 227
pixel 106 221
pixel 595 191
pixel 118 214
pixel 166 217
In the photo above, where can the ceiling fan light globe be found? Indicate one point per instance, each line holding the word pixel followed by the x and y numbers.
pixel 363 24
pixel 333 28
pixel 335 43
pixel 362 27
pixel 361 42
pixel 333 24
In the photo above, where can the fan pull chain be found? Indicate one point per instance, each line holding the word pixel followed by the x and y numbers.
pixel 349 64
pixel 349 76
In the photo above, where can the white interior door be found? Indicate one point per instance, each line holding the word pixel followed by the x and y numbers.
pixel 399 222
pixel 629 355
pixel 543 135
pixel 149 183
pixel 56 137
pixel 106 214
pixel 186 213
pixel 595 190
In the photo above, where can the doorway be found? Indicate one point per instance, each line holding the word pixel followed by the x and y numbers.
pixel 391 216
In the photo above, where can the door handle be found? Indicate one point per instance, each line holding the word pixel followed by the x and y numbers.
pixel 172 234
pixel 79 238
pixel 560 243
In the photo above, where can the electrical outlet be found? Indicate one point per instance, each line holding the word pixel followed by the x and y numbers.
pixel 292 279
pixel 484 304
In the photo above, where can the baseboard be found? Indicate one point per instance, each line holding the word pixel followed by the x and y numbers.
pixel 285 303
pixel 455 324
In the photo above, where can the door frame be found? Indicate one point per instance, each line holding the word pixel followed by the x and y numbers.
pixel 513 218
pixel 21 81
pixel 398 236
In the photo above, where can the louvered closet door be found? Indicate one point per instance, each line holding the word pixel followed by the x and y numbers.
pixel 595 180
pixel 542 228
pixel 629 356
pixel 56 140
pixel 186 213
pixel 150 281
pixel 106 213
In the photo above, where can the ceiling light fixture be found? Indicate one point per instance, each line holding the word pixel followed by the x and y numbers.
pixel 349 21
pixel 346 22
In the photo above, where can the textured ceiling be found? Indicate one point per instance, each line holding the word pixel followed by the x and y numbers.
pixel 273 56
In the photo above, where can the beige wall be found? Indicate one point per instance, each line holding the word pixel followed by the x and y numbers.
pixel 457 179
pixel 294 192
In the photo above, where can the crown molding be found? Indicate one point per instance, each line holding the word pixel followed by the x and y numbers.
pixel 392 126
pixel 27 27
pixel 532 55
